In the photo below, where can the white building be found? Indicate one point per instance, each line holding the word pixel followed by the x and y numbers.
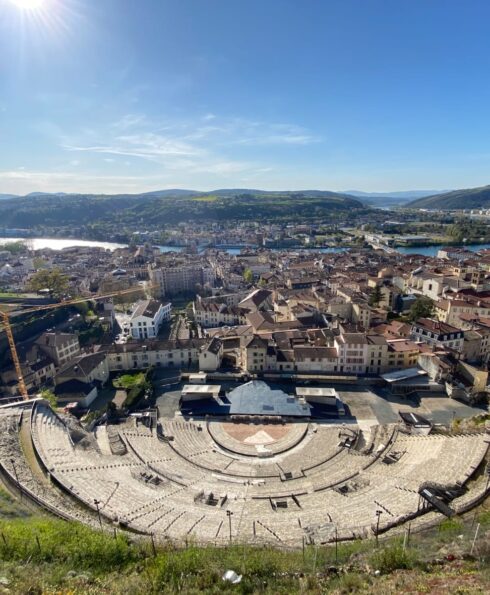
pixel 148 317
pixel 166 354
pixel 353 352
pixel 210 315
pixel 437 334
pixel 211 355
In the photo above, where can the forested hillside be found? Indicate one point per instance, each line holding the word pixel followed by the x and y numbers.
pixel 133 210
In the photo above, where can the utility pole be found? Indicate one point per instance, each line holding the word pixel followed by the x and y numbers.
pixel 378 514
pixel 97 502
pixel 229 515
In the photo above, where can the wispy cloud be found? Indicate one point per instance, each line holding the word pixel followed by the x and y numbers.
pixel 260 133
pixel 149 146
pixel 205 144
pixel 129 121
pixel 22 182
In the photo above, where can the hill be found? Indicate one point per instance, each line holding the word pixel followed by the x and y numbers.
pixel 471 198
pixel 172 206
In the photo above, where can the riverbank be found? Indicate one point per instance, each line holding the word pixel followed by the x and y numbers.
pixel 60 244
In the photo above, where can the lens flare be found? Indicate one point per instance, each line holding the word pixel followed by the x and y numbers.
pixel 28 4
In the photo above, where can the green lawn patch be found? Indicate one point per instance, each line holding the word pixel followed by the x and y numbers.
pixel 129 381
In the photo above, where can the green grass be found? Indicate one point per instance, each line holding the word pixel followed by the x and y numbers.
pixel 39 554
pixel 10 508
pixel 394 557
pixel 207 198
pixel 45 555
pixel 129 381
pixel 46 540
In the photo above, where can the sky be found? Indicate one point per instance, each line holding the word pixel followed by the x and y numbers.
pixel 126 96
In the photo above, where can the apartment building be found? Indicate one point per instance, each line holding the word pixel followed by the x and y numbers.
pixel 210 315
pixel 165 354
pixel 449 311
pixel 179 278
pixel 438 334
pixel 148 317
pixel 352 351
pixel 60 347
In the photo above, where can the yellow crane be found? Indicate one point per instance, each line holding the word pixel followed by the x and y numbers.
pixel 5 317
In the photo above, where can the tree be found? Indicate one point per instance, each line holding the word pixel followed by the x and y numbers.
pixel 55 281
pixel 375 296
pixel 14 247
pixel 83 308
pixel 248 275
pixel 49 396
pixel 423 307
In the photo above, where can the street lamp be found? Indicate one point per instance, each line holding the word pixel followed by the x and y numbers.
pixel 378 514
pixel 97 502
pixel 229 515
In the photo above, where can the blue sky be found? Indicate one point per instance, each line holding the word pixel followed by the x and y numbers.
pixel 129 96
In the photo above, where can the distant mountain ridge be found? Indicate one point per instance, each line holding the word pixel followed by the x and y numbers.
pixel 182 193
pixel 170 206
pixel 401 194
pixel 469 198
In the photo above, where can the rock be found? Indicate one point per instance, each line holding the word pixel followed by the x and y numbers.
pixel 4 581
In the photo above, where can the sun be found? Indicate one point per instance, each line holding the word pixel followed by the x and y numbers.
pixel 28 4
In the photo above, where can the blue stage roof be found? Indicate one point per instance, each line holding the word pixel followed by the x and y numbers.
pixel 257 398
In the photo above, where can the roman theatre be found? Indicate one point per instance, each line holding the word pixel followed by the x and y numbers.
pixel 263 476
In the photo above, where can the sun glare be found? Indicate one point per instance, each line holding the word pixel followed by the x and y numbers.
pixel 28 4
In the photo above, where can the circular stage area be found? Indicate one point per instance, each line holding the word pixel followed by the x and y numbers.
pixel 254 440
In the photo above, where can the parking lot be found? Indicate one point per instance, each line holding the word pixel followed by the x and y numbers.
pixel 378 406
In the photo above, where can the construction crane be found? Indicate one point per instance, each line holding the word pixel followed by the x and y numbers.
pixel 6 316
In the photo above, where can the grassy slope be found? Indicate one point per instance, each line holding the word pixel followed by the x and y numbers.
pixel 44 555
pixel 458 199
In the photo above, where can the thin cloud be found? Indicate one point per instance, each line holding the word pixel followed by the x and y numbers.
pixel 202 147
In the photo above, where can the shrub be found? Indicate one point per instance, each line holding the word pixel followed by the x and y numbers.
pixel 392 558
pixel 450 526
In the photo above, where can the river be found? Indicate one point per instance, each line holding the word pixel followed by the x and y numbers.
pixel 433 250
pixel 59 244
